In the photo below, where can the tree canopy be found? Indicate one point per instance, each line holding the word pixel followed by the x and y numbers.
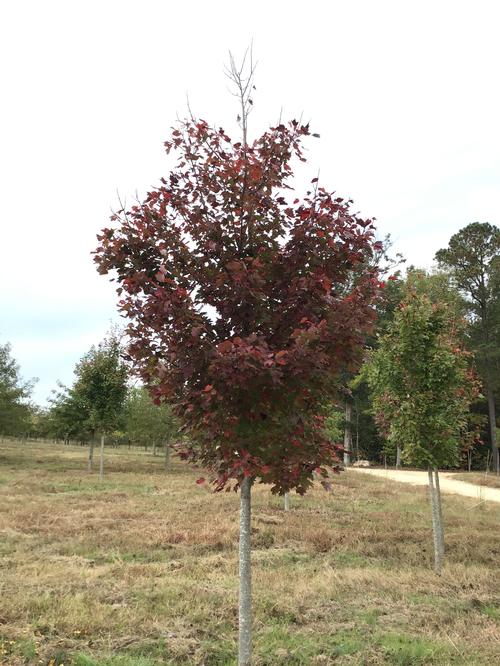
pixel 422 383
pixel 95 401
pixel 101 385
pixel 244 306
pixel 14 395
pixel 145 422
pixel 473 258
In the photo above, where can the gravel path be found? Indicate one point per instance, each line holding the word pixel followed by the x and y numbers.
pixel 446 481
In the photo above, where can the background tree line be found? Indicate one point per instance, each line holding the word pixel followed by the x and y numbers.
pixel 100 403
pixel 467 281
pixel 101 399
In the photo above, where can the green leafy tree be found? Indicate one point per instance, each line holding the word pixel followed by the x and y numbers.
pixel 99 391
pixel 14 395
pixel 147 423
pixel 67 416
pixel 360 433
pixel 473 258
pixel 359 430
pixel 366 440
pixel 439 287
pixel 333 423
pixel 422 387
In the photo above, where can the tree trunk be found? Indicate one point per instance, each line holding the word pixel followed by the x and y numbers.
pixel 287 501
pixel 91 455
pixel 167 455
pixel 357 433
pixel 493 426
pixel 347 434
pixel 440 513
pixel 101 460
pixel 245 605
pixel 154 447
pixel 398 457
pixel 435 523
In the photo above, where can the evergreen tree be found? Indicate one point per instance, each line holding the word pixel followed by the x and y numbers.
pixel 473 258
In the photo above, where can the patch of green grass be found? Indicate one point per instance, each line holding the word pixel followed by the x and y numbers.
pixel 93 486
pixel 220 652
pixel 117 660
pixel 150 649
pixel 371 616
pixel 492 611
pixel 27 648
pixel 404 650
pixel 280 645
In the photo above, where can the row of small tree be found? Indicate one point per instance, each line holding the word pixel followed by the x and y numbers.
pixel 101 404
pixel 470 286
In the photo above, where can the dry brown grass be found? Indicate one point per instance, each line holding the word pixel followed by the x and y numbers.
pixel 142 569
pixel 480 478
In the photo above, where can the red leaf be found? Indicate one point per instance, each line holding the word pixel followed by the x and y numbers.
pixel 280 360
pixel 200 480
pixel 225 346
pixel 208 388
pixel 327 284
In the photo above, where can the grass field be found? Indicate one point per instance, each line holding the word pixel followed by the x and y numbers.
pixel 142 569
pixel 480 478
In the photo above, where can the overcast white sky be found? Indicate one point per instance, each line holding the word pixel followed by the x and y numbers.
pixel 405 95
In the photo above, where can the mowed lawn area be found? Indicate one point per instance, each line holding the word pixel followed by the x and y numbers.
pixel 142 568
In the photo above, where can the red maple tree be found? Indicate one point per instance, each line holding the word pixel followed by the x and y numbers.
pixel 244 306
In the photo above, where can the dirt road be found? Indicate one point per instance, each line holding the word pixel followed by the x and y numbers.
pixel 446 481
